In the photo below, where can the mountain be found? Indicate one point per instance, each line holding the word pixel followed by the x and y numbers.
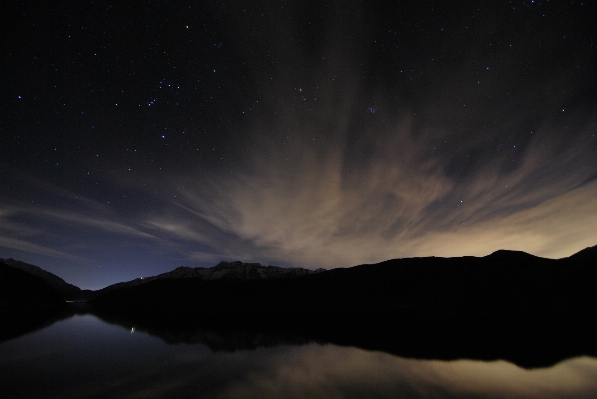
pixel 507 305
pixel 68 291
pixel 587 254
pixel 239 270
pixel 27 302
pixel 222 271
pixel 22 290
pixel 503 255
pixel 503 278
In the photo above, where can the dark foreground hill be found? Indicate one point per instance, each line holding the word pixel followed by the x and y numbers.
pixel 508 305
pixel 68 291
pixel 27 302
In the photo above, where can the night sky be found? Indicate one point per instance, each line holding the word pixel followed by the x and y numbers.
pixel 136 137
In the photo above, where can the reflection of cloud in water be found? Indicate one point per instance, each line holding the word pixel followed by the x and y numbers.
pixel 335 372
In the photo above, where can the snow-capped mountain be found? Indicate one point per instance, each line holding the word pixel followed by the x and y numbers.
pixel 224 271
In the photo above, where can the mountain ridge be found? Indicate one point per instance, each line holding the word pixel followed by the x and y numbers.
pixel 502 279
pixel 534 311
pixel 255 271
pixel 68 291
pixel 507 305
pixel 223 270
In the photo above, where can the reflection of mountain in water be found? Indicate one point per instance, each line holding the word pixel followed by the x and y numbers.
pixel 524 339
pixel 230 341
pixel 216 340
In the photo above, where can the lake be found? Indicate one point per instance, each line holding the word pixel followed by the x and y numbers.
pixel 85 357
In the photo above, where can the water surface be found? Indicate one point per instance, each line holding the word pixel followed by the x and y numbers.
pixel 84 357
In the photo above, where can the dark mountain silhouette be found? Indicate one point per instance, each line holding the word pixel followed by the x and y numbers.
pixel 19 289
pixel 222 271
pixel 588 254
pixel 239 270
pixel 27 302
pixel 507 305
pixel 510 305
pixel 68 291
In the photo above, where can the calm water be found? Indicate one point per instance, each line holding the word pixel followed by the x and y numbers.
pixel 84 357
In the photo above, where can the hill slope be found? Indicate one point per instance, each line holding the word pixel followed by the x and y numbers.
pixel 27 302
pixel 22 290
pixel 68 291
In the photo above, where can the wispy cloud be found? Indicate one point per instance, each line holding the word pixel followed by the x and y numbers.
pixel 81 220
pixel 21 245
pixel 310 207
pixel 176 230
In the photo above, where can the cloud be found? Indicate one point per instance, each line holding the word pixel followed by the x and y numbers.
pixel 555 228
pixel 316 207
pixel 21 245
pixel 331 372
pixel 81 220
pixel 61 234
pixel 178 230
pixel 34 218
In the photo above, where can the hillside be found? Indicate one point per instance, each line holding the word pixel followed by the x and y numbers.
pixel 27 302
pixel 68 291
